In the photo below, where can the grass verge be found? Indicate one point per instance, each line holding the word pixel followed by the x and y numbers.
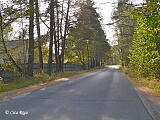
pixel 21 82
pixel 149 82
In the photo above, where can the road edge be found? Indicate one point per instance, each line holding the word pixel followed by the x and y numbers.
pixel 21 91
pixel 149 100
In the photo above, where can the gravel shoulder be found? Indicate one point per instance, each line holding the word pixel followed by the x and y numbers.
pixel 25 90
pixel 150 99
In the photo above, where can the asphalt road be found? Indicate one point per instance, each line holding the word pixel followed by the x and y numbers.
pixel 100 95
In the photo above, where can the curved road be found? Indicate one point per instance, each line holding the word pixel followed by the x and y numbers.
pixel 100 95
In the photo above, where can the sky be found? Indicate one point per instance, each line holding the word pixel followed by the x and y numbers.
pixel 105 10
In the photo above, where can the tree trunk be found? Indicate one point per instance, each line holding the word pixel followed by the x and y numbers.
pixel 91 63
pixel 55 42
pixel 5 48
pixel 51 38
pixel 93 60
pixel 83 64
pixel 58 38
pixel 61 35
pixel 158 47
pixel 38 34
pixel 88 57
pixel 31 38
pixel 65 35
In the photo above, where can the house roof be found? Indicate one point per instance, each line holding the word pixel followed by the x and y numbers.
pixel 11 44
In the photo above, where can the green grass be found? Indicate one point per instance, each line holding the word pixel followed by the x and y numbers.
pixel 149 82
pixel 21 82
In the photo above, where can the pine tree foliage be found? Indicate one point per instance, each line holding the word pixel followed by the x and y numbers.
pixel 124 30
pixel 87 42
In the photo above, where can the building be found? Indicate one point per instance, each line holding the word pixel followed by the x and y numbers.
pixel 17 48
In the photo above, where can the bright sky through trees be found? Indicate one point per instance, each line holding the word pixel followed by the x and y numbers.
pixel 105 8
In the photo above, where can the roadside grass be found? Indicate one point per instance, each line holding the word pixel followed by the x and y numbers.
pixel 149 82
pixel 21 82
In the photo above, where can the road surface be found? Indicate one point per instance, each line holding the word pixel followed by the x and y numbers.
pixel 100 95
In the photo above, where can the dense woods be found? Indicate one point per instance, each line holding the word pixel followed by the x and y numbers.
pixel 70 34
pixel 87 43
pixel 70 31
pixel 138 34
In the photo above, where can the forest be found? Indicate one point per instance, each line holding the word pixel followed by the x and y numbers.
pixel 70 31
pixel 70 34
pixel 138 36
